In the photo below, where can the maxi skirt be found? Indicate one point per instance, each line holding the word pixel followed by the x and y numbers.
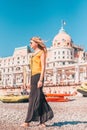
pixel 38 109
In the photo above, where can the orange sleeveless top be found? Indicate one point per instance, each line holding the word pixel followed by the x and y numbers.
pixel 36 63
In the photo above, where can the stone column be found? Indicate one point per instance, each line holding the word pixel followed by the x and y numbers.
pixel 84 73
pixel 4 80
pixel 76 74
pixel 63 74
pixel 58 79
pixel 12 79
pixel 54 76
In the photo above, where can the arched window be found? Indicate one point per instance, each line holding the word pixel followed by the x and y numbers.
pixel 18 68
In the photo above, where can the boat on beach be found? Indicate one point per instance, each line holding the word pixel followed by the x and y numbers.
pixel 50 97
pixel 83 89
pixel 55 97
pixel 14 98
pixel 18 96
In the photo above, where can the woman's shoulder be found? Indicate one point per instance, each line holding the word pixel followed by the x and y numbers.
pixel 40 52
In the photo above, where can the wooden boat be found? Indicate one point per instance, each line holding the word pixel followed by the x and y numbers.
pixel 83 89
pixel 57 97
pixel 25 98
pixel 14 98
pixel 57 94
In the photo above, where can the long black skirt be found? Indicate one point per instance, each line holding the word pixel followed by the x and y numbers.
pixel 38 109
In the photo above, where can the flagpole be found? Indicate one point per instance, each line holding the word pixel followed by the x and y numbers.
pixel 62 24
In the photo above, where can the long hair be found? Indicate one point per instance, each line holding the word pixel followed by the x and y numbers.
pixel 40 43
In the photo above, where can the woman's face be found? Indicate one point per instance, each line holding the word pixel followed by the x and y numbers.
pixel 33 45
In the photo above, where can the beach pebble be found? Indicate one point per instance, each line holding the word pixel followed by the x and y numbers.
pixel 71 115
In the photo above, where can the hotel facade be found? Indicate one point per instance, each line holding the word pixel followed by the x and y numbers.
pixel 66 64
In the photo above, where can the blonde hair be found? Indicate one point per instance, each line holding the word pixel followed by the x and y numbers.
pixel 40 43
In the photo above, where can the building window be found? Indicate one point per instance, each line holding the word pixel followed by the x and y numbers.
pixel 63 63
pixel 18 58
pixel 3 70
pixel 58 52
pixel 58 43
pixel 18 68
pixel 67 52
pixel 0 76
pixel 63 52
pixel 71 52
pixel 63 40
pixel 54 53
pixel 18 62
pixel 47 65
pixel 13 61
pixel 53 64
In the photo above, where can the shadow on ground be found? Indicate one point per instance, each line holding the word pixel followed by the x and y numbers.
pixel 68 123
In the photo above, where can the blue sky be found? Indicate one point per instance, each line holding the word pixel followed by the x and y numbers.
pixel 22 19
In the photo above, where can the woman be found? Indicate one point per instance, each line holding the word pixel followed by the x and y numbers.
pixel 38 109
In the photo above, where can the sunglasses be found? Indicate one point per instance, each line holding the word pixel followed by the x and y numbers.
pixel 31 42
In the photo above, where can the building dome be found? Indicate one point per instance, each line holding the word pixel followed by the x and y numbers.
pixel 62 39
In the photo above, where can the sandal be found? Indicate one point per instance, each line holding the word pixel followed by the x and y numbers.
pixel 25 125
pixel 42 125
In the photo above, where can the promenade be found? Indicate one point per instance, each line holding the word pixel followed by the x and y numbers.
pixel 71 115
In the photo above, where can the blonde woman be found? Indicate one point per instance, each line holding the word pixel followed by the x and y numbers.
pixel 39 109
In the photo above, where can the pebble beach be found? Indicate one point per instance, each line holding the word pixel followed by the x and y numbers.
pixel 71 115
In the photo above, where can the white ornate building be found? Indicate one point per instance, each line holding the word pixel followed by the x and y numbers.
pixel 66 64
pixel 13 68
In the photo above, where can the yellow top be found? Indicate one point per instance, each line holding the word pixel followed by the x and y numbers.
pixel 36 63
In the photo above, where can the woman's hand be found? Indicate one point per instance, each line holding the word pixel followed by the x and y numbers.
pixel 40 83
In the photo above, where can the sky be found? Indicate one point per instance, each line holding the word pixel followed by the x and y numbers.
pixel 20 20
